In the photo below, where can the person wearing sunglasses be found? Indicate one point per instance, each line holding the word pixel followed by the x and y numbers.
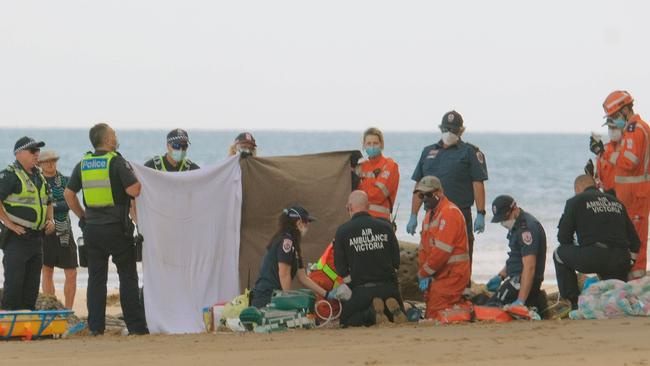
pixel 461 168
pixel 520 280
pixel 175 160
pixel 632 168
pixel 26 213
pixel 443 258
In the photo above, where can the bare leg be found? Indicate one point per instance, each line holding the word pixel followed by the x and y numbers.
pixel 70 287
pixel 48 280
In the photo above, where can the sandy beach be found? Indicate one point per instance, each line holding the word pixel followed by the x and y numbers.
pixel 607 342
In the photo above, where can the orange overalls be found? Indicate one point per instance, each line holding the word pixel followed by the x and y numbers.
pixel 379 179
pixel 632 183
pixel 444 255
pixel 605 166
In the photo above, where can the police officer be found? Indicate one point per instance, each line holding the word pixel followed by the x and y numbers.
pixel 461 168
pixel 26 212
pixel 283 260
pixel 175 160
pixel 366 255
pixel 607 241
pixel 520 281
pixel 108 185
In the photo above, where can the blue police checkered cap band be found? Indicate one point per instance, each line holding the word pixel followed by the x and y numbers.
pixel 27 144
pixel 177 135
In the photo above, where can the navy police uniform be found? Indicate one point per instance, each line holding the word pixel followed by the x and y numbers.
pixel 607 241
pixel 282 249
pixel 23 254
pixel 366 255
pixel 457 167
pixel 527 237
pixel 162 164
pixel 108 232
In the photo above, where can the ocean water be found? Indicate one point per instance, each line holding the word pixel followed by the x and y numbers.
pixel 536 169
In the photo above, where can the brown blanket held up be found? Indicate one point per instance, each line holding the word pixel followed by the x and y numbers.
pixel 320 183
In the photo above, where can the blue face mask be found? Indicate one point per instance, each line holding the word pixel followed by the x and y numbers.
pixel 373 151
pixel 619 122
pixel 178 155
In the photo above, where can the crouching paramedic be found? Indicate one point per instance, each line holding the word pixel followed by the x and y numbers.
pixel 443 259
pixel 607 239
pixel 520 281
pixel 366 255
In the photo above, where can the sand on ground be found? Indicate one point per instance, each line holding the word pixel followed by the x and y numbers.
pixel 79 305
pixel 602 342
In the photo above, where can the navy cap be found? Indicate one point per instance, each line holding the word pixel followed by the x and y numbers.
pixel 501 207
pixel 177 135
pixel 298 212
pixel 245 137
pixel 26 143
pixel 452 121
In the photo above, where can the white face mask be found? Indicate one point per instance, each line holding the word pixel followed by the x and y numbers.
pixel 615 134
pixel 449 138
pixel 508 224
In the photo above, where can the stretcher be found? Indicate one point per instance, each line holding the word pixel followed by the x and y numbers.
pixel 33 324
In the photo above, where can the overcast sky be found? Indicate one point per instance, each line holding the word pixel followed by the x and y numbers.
pixel 506 66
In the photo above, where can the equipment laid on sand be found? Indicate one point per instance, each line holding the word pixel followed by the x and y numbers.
pixel 33 324
pixel 287 310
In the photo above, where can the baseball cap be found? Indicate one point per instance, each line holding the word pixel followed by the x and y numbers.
pixel 26 143
pixel 178 135
pixel 48 155
pixel 245 137
pixel 501 206
pixel 452 120
pixel 298 212
pixel 429 183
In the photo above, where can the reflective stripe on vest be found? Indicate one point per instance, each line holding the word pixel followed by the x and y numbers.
pixel 459 258
pixel 322 265
pixel 380 209
pixel 29 197
pixel 159 165
pixel 96 181
pixel 612 159
pixel 382 187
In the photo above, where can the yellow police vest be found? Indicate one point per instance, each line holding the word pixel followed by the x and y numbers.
pixel 96 181
pixel 29 197
pixel 160 165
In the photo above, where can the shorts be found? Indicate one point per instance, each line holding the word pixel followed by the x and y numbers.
pixel 56 255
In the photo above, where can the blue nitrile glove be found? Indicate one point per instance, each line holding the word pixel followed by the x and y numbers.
pixel 518 302
pixel 424 283
pixel 413 224
pixel 494 283
pixel 479 223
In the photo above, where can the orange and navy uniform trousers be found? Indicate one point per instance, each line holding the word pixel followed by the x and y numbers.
pixel 632 183
pixel 605 167
pixel 444 255
pixel 380 180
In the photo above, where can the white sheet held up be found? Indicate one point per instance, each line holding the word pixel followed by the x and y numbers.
pixel 190 222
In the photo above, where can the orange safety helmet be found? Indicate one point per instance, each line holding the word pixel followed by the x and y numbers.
pixel 615 101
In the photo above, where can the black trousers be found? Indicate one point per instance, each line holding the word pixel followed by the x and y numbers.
pixel 356 311
pixel 101 242
pixel 467 214
pixel 22 262
pixel 608 263
pixel 509 292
